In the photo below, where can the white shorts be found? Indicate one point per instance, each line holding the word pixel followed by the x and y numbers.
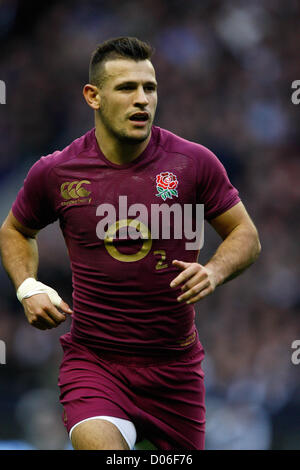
pixel 126 428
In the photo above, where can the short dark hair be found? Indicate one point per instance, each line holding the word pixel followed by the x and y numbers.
pixel 121 47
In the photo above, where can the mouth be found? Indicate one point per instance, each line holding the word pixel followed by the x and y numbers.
pixel 140 118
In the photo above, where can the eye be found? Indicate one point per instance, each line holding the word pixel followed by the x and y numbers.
pixel 150 88
pixel 126 87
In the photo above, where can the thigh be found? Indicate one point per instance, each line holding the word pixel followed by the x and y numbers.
pixel 174 405
pixel 89 387
pixel 98 434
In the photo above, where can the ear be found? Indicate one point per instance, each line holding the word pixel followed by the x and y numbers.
pixel 91 95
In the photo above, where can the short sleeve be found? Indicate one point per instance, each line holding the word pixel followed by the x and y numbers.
pixel 215 190
pixel 33 206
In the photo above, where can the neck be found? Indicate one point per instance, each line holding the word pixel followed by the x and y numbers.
pixel 117 151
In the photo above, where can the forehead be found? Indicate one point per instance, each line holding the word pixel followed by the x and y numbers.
pixel 119 70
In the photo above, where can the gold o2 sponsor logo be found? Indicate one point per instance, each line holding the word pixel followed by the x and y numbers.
pixel 139 227
pixel 75 192
pixel 144 233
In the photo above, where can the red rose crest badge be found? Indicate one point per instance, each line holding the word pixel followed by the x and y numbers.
pixel 166 184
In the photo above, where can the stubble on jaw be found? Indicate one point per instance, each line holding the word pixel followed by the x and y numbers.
pixel 120 135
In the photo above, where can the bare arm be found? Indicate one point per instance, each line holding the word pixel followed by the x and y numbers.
pixel 239 249
pixel 240 246
pixel 19 254
pixel 19 251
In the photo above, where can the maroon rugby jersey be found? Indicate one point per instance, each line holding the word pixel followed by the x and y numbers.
pixel 122 299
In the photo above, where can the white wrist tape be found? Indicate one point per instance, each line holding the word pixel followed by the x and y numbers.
pixel 31 287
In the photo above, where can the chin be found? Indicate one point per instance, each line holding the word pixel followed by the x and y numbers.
pixel 135 138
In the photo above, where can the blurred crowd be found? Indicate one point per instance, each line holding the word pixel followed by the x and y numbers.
pixel 225 71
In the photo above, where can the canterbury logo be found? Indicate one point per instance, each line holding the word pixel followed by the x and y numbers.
pixel 74 189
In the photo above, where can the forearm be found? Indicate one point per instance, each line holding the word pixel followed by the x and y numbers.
pixel 235 254
pixel 43 306
pixel 19 255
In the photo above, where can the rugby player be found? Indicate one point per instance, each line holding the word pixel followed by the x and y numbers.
pixel 132 359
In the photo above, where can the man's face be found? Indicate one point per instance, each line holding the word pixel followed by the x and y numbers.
pixel 128 99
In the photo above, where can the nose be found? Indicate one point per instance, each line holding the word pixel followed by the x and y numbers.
pixel 140 98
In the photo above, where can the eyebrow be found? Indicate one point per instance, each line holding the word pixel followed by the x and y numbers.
pixel 134 83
